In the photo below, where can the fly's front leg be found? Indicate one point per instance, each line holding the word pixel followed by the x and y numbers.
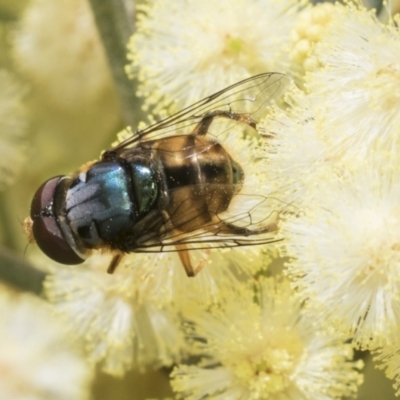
pixel 202 127
pixel 114 263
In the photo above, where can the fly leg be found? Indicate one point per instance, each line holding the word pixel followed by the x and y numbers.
pixel 184 256
pixel 114 263
pixel 202 127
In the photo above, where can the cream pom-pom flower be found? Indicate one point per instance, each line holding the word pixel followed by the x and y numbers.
pixel 184 50
pixel 357 83
pixel 114 315
pixel 131 319
pixel 344 249
pixel 38 359
pixel 257 344
pixel 57 48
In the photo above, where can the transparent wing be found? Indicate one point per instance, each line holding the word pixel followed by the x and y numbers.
pixel 249 97
pixel 254 216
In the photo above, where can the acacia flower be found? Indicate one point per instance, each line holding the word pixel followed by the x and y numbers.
pixel 344 249
pixel 184 50
pixel 388 358
pixel 296 154
pixel 257 344
pixel 121 328
pixel 131 318
pixel 37 359
pixel 308 30
pixel 72 71
pixel 358 84
pixel 13 128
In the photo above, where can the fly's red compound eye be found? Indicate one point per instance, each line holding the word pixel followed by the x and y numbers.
pixel 46 229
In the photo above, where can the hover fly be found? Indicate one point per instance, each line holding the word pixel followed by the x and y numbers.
pixel 165 188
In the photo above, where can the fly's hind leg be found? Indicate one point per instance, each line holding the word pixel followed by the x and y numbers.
pixel 202 127
pixel 184 256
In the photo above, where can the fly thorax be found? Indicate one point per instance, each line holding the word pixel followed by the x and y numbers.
pixel 100 205
pixel 144 186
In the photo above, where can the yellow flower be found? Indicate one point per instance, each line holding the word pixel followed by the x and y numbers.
pixel 114 315
pixel 57 48
pixel 358 84
pixel 185 50
pixel 308 31
pixel 258 345
pixel 37 359
pixel 344 249
pixel 131 319
pixel 388 358
pixel 296 153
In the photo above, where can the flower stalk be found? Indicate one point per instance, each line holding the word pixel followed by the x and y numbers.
pixel 114 23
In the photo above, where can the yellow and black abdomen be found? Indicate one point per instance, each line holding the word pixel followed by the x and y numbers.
pixel 200 179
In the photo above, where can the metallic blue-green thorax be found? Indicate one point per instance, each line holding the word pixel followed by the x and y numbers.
pixel 105 202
